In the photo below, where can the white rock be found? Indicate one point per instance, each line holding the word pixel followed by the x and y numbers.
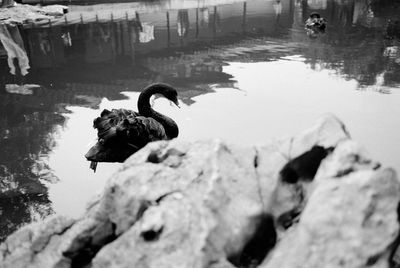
pixel 213 204
pixel 348 222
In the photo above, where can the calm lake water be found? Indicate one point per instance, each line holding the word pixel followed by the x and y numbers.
pixel 246 71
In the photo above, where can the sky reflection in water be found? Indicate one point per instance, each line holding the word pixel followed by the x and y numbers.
pixel 254 114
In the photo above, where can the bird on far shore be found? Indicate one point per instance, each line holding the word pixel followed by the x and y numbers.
pixel 315 24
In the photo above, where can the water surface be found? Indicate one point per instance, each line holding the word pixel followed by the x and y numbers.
pixel 246 72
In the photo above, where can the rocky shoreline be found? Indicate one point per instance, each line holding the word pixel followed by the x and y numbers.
pixel 313 200
pixel 24 14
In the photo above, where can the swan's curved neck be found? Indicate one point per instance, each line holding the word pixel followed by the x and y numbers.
pixel 144 100
pixel 144 107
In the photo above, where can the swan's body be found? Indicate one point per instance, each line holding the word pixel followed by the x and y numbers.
pixel 122 132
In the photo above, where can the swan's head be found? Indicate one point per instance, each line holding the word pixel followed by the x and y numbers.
pixel 165 90
pixel 171 94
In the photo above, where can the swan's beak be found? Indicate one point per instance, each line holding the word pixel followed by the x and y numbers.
pixel 176 102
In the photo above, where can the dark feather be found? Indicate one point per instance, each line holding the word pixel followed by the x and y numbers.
pixel 140 130
pixel 122 132
pixel 109 120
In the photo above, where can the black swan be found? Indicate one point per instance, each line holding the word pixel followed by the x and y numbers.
pixel 315 24
pixel 123 132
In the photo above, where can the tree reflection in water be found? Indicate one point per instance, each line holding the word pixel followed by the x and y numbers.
pixel 79 60
pixel 25 131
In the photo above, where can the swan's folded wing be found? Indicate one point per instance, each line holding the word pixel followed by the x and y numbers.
pixel 124 139
pixel 139 130
pixel 108 121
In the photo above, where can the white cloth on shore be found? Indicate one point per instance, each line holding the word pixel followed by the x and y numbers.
pixel 13 44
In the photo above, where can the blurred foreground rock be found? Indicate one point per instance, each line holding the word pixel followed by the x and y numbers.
pixel 313 200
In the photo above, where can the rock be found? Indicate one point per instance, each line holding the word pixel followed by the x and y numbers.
pixel 314 200
pixel 54 10
pixel 347 222
pixel 200 201
pixel 347 158
pixel 22 14
pixel 34 244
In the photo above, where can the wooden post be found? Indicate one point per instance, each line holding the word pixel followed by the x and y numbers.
pixel 168 31
pixel 197 22
pixel 215 22
pixel 244 17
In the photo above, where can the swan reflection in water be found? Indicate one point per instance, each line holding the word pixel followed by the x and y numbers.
pixel 122 132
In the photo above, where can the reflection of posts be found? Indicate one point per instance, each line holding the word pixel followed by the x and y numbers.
pixel 183 22
pixel 168 31
pixel 277 8
pixel 360 10
pixel 216 21
pixel 197 22
pixel 137 28
pixel 139 23
pixel 143 31
pixel 244 16
pixel 205 16
pixel 17 58
pixel 66 38
pixel 104 33
pixel 304 9
pixel 44 42
pixel 99 35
